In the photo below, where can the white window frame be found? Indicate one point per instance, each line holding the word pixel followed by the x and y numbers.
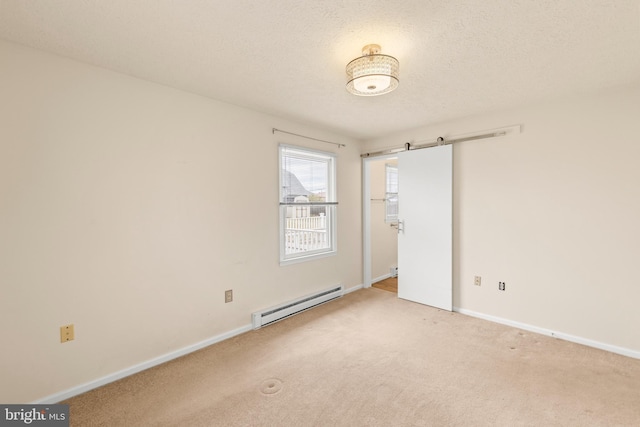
pixel 331 204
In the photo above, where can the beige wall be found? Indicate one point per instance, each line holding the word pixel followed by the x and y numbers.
pixel 384 238
pixel 128 208
pixel 553 212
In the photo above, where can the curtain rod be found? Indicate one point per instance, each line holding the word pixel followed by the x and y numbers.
pixel 441 141
pixel 274 130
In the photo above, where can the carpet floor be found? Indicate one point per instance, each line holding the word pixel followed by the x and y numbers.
pixel 371 359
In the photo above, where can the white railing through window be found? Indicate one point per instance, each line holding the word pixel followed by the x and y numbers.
pixel 308 223
pixel 306 234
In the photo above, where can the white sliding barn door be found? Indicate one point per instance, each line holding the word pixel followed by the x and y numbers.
pixel 425 235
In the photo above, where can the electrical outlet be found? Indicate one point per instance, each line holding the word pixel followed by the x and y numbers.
pixel 501 286
pixel 66 333
pixel 477 280
pixel 228 296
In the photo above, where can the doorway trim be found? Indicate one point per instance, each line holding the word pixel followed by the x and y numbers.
pixel 366 214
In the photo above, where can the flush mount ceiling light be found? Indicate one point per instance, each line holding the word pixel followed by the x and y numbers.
pixel 373 73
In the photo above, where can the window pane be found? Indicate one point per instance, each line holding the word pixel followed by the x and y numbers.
pixel 391 203
pixel 392 179
pixel 305 178
pixel 391 196
pixel 307 229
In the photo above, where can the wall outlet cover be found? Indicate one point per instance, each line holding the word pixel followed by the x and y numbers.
pixel 66 333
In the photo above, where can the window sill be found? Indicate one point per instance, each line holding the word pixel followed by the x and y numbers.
pixel 306 258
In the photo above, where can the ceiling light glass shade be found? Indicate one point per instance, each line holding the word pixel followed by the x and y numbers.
pixel 372 74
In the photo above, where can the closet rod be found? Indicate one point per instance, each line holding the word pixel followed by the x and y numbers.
pixel 274 130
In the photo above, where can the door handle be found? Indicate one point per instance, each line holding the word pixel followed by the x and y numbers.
pixel 400 227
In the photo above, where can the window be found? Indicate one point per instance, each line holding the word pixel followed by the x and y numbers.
pixel 391 195
pixel 308 204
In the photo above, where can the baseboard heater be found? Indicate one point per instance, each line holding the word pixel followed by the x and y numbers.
pixel 273 314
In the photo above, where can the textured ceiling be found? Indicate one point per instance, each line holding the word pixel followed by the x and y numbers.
pixel 287 57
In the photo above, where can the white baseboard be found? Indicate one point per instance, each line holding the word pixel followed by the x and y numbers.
pixel 560 335
pixel 380 278
pixel 352 289
pixel 74 391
